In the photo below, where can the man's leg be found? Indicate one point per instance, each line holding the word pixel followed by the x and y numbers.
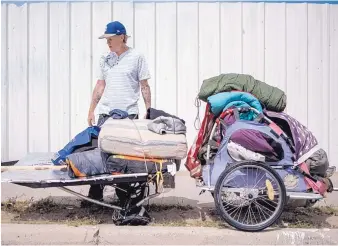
pixel 96 191
pixel 121 195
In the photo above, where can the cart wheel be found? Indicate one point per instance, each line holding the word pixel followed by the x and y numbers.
pixel 250 196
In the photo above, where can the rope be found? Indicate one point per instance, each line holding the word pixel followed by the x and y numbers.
pixel 159 175
pixel 197 118
pixel 144 156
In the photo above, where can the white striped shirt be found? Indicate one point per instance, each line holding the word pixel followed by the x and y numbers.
pixel 122 76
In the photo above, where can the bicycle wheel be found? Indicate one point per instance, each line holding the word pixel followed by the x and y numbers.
pixel 250 196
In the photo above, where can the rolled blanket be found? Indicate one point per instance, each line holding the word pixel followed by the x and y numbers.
pixel 225 100
pixel 273 98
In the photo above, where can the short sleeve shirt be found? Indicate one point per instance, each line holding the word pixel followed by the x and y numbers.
pixel 122 76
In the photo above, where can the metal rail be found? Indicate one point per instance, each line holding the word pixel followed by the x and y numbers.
pixel 90 200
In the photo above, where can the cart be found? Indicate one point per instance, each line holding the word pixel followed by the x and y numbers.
pixel 251 195
pixel 248 195
pixel 37 171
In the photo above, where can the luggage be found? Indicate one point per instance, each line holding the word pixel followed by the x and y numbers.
pixel 87 163
pixel 121 164
pixel 95 162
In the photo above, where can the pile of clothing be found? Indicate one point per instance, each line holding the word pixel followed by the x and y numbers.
pixel 120 145
pixel 233 90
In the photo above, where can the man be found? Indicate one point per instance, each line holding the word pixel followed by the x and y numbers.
pixel 122 74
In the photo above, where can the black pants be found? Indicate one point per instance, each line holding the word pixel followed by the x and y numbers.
pixel 96 191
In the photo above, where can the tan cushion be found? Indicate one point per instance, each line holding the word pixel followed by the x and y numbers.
pixel 132 137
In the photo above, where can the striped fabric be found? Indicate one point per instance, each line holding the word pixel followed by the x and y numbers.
pixel 122 76
pixel 132 138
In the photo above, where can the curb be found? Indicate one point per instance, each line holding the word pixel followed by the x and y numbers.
pixel 110 234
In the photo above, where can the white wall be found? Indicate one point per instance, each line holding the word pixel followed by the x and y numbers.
pixel 50 54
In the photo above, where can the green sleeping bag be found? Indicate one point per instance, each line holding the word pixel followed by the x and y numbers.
pixel 273 98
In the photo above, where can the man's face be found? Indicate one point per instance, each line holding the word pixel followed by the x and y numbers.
pixel 114 42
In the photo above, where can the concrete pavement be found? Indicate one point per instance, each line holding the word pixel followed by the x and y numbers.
pixel 108 234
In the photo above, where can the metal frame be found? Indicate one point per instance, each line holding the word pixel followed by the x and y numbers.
pixel 103 179
pixel 89 199
pixel 106 204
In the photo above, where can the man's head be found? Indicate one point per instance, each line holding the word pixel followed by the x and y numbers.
pixel 115 34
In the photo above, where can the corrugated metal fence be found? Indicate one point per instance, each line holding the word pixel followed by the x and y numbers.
pixel 50 54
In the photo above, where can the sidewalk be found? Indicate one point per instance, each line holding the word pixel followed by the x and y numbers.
pixel 109 234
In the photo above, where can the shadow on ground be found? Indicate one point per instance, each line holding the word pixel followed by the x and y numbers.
pixel 67 210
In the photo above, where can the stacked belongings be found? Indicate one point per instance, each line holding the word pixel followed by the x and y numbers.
pixel 120 145
pixel 232 90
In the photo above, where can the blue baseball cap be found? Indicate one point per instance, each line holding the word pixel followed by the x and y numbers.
pixel 114 28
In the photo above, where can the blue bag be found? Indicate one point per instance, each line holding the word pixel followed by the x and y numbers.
pixel 80 139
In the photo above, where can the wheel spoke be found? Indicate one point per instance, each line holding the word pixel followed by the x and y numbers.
pixel 247 203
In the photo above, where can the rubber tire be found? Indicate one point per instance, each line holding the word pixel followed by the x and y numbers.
pixel 235 224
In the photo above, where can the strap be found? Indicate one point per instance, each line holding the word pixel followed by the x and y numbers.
pixel 159 177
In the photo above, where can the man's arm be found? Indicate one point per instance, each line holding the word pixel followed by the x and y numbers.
pixel 97 94
pixel 145 89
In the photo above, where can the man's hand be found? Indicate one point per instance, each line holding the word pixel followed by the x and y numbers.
pixel 91 118
pixel 97 93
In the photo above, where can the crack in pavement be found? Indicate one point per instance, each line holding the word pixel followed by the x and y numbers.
pixel 85 236
pixel 96 237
